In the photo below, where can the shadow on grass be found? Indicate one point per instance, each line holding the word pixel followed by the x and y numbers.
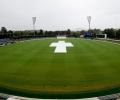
pixel 46 95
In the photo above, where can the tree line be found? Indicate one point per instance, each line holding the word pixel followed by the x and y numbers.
pixel 4 33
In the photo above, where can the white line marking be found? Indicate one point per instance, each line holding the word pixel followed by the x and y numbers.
pixel 107 42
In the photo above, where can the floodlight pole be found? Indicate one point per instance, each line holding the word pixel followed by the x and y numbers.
pixel 89 22
pixel 34 21
pixel 33 27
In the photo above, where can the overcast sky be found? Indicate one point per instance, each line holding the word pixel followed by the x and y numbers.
pixel 59 14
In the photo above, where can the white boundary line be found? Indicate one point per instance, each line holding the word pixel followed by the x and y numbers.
pixel 24 98
pixel 107 41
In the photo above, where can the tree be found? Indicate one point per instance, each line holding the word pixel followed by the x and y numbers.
pixel 41 32
pixel 3 30
pixel 96 32
pixel 118 34
pixel 10 34
pixel 111 33
pixel 68 32
pixel 10 31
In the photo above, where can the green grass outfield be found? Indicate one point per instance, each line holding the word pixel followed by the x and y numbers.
pixel 31 68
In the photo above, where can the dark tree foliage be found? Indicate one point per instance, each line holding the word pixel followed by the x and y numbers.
pixel 96 32
pixel 10 32
pixel 41 32
pixel 3 30
pixel 118 34
pixel 111 33
pixel 68 32
pixel 83 32
pixel 3 33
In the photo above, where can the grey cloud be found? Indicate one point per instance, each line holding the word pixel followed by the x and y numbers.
pixel 59 14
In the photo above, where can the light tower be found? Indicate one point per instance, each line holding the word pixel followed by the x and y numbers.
pixel 89 21
pixel 34 21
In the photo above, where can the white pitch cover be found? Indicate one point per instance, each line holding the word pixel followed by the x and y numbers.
pixel 61 46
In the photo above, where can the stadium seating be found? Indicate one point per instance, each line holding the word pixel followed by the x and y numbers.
pixel 6 41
